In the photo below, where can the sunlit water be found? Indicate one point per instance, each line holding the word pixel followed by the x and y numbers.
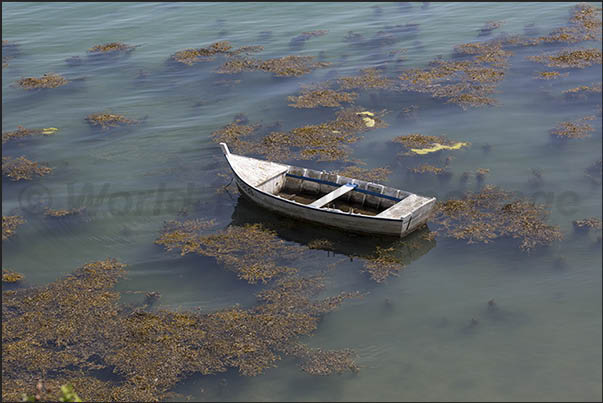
pixel 411 333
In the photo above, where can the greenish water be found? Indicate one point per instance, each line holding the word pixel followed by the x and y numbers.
pixel 411 333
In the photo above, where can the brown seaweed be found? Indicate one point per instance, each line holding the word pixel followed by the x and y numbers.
pixel 576 129
pixel 48 80
pixel 371 175
pixel 21 168
pixel 23 132
pixel 192 56
pixel 493 214
pixel 550 75
pixel 586 224
pixel 70 330
pixel 9 276
pixel 464 82
pixel 368 79
pixel 570 58
pixel 321 97
pixel 287 66
pixel 383 264
pixel 326 141
pixel 109 120
pixel 63 212
pixel 251 251
pixel 111 48
pixel 582 91
pixel 9 224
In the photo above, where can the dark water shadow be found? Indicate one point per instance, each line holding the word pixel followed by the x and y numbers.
pixel 341 242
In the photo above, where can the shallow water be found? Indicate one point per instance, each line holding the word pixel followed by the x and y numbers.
pixel 412 333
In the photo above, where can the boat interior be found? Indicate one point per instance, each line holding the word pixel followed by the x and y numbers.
pixel 327 190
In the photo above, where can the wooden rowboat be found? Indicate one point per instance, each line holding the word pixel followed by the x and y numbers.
pixel 329 199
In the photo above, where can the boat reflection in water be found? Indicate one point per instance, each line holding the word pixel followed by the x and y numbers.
pixel 407 249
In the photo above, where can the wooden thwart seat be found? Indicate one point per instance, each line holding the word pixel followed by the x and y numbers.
pixel 329 197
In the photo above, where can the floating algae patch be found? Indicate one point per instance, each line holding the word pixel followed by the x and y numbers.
pixel 582 91
pixel 109 120
pixel 576 129
pixel 383 264
pixel 192 56
pixel 233 134
pixel 23 132
pixel 321 97
pixel 63 212
pixel 251 251
pixel 287 66
pixel 326 141
pixel 21 168
pixel 368 79
pixel 315 361
pixel 586 224
pixel 493 214
pixel 48 80
pixel 570 58
pixel 112 48
pixel 9 276
pixel 464 82
pixel 550 75
pixel 9 225
pixel 73 329
pixel 584 25
pixel 370 175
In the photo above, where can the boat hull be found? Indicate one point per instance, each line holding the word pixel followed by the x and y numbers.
pixel 344 221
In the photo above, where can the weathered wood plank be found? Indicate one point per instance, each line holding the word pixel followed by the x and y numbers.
pixel 401 209
pixel 255 172
pixel 329 197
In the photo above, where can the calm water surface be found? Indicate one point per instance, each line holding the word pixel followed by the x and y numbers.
pixel 411 332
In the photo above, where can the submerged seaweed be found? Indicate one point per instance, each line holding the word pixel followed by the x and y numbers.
pixel 9 276
pixel 326 141
pixel 64 212
pixel 464 82
pixel 73 329
pixel 48 80
pixel 9 224
pixel 492 214
pixel 23 132
pixel 321 97
pixel 250 251
pixel 576 129
pixel 570 58
pixel 192 56
pixel 371 175
pixel 368 79
pixel 21 168
pixel 287 66
pixel 586 224
pixel 109 120
pixel 550 75
pixel 111 49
